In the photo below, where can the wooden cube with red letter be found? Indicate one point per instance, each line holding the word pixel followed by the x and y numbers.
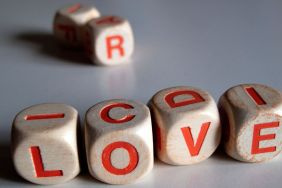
pixel 69 22
pixel 108 40
pixel 119 143
pixel 186 123
pixel 251 120
pixel 44 143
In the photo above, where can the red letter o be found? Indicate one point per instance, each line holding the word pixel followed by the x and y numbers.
pixel 133 158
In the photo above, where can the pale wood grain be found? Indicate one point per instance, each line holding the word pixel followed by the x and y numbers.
pixel 137 132
pixel 56 138
pixel 241 114
pixel 171 146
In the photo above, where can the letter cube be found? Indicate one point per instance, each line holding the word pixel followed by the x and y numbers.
pixel 44 143
pixel 108 40
pixel 186 123
pixel 69 21
pixel 251 120
pixel 119 143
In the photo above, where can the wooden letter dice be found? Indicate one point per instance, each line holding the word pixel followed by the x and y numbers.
pixel 251 120
pixel 109 40
pixel 69 22
pixel 186 123
pixel 119 143
pixel 44 143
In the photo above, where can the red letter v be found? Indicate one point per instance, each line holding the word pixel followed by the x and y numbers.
pixel 194 149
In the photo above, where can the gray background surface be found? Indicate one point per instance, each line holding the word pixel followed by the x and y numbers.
pixel 209 44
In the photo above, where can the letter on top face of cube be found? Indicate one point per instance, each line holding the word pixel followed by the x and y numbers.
pixel 69 22
pixel 44 143
pixel 119 143
pixel 251 120
pixel 109 40
pixel 186 123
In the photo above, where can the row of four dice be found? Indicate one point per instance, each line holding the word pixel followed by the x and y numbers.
pixel 107 40
pixel 119 140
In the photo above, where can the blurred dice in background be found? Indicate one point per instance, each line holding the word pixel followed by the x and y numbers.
pixel 69 22
pixel 107 40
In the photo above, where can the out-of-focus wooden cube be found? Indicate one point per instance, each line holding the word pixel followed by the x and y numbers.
pixel 108 40
pixel 69 22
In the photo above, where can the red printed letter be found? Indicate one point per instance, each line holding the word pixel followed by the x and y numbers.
pixel 114 43
pixel 44 116
pixel 170 98
pixel 74 8
pixel 108 20
pixel 133 158
pixel 70 34
pixel 255 96
pixel 39 167
pixel 257 138
pixel 106 117
pixel 194 149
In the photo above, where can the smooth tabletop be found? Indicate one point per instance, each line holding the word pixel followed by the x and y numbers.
pixel 210 44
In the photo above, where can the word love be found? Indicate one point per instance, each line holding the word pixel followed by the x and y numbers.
pixel 187 127
pixel 107 40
